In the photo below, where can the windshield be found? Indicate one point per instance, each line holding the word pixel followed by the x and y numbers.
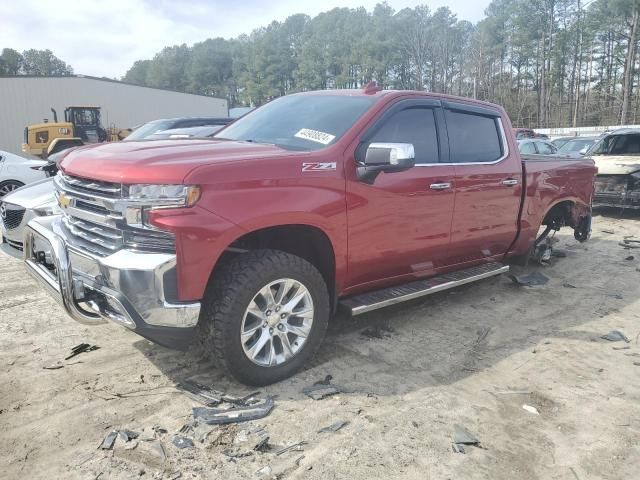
pixel 300 122
pixel 577 145
pixel 624 144
pixel 148 128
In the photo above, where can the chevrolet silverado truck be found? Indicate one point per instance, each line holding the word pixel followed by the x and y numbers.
pixel 250 241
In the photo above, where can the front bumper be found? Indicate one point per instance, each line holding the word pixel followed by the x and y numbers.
pixel 621 191
pixel 130 288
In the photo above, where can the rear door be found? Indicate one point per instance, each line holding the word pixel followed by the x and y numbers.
pixel 399 227
pixel 488 179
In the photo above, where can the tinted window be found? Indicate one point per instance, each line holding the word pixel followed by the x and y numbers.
pixel 527 147
pixel 413 125
pixel 300 122
pixel 628 144
pixel 573 146
pixel 149 129
pixel 545 148
pixel 473 138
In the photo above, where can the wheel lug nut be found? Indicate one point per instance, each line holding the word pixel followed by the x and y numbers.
pixel 283 316
pixel 277 308
pixel 271 330
pixel 280 327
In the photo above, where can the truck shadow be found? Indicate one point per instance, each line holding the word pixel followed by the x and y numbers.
pixel 448 336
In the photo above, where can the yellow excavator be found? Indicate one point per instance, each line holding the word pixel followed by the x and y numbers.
pixel 81 125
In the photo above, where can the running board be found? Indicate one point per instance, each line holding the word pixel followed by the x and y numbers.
pixel 369 301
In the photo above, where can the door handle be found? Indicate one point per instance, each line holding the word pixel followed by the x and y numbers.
pixel 440 186
pixel 510 182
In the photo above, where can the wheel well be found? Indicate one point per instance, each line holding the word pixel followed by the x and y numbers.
pixel 559 215
pixel 304 241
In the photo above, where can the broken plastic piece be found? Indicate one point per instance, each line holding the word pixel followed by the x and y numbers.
pixel 262 445
pixel 458 448
pixel 53 367
pixel 201 393
pixel 82 348
pixel 568 285
pixel 615 336
pixel 182 442
pixel 531 409
pixel 334 427
pixel 218 416
pixel 325 381
pixel 109 440
pixel 531 279
pixel 463 436
pixel 296 446
pixel 127 435
pixel 318 392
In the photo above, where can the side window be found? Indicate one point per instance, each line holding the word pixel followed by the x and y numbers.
pixel 412 125
pixel 527 148
pixel 544 149
pixel 473 138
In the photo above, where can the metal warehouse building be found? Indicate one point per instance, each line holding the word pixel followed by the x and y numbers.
pixel 25 100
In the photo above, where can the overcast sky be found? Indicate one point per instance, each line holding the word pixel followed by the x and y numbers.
pixel 104 38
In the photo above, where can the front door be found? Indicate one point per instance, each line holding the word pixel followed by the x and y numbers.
pixel 399 227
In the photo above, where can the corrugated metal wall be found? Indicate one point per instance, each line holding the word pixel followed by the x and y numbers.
pixel 27 100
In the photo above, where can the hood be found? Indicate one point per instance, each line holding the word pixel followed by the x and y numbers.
pixel 159 161
pixel 617 164
pixel 34 195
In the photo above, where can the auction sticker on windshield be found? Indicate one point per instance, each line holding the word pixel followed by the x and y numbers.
pixel 315 136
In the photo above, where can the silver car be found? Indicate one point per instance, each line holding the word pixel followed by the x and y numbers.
pixel 20 206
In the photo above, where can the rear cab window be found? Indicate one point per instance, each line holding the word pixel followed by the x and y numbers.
pixel 474 136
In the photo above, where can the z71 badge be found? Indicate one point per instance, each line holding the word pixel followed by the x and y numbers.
pixel 318 166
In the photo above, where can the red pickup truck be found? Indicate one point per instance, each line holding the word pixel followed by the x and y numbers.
pixel 251 240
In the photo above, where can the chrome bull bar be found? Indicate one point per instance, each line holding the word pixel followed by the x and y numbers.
pixel 59 285
pixel 126 287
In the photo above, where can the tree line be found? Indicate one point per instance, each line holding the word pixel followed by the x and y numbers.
pixel 32 62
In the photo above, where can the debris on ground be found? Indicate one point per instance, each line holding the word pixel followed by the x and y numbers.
pixel 378 331
pixel 622 348
pixel 334 427
pixel 264 471
pixel 238 413
pixel 159 429
pixel 615 336
pixel 82 348
pixel 262 445
pixel 318 392
pixel 157 449
pixel 461 437
pixel 200 393
pixel 126 435
pixel 531 409
pixel 325 381
pixel 182 442
pixel 568 285
pixel 628 243
pixel 637 364
pixel 630 257
pixel 529 280
pixel 53 367
pixel 610 232
pixel 109 440
pixel 558 253
pixel 296 447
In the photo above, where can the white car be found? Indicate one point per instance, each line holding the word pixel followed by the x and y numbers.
pixel 16 171
pixel 20 206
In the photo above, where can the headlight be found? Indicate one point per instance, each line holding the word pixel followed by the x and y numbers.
pixel 164 195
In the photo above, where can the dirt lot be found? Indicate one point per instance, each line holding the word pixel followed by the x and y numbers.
pixel 473 356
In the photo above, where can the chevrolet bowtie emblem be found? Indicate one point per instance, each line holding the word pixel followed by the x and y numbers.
pixel 63 200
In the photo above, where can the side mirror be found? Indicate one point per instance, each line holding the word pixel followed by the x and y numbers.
pixel 584 151
pixel 384 157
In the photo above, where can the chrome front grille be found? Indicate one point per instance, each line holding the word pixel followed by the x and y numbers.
pixel 11 215
pixel 95 217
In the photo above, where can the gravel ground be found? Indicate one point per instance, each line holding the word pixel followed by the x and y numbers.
pixel 473 356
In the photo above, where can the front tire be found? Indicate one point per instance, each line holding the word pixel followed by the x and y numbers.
pixel 264 316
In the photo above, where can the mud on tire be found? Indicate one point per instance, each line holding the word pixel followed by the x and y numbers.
pixel 229 293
